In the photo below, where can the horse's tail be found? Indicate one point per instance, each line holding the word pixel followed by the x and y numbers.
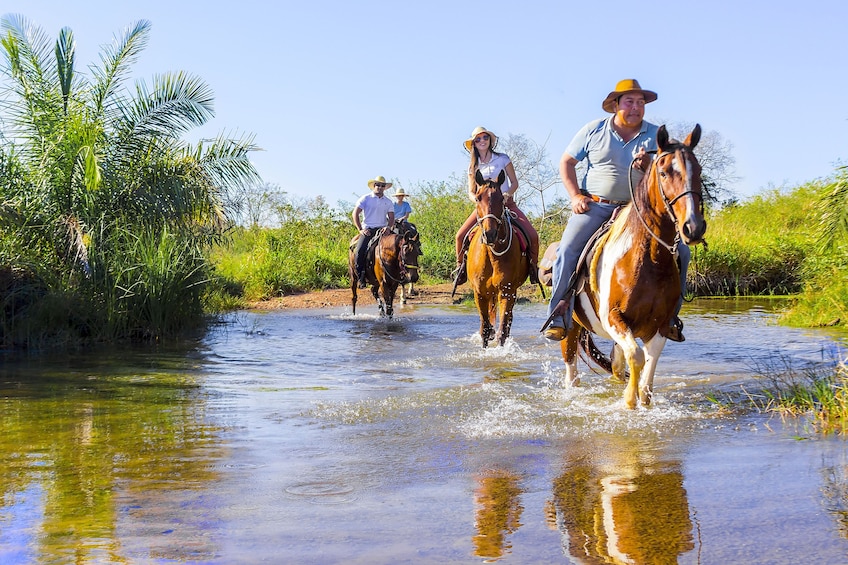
pixel 587 344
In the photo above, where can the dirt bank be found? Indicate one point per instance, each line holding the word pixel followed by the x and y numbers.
pixel 430 294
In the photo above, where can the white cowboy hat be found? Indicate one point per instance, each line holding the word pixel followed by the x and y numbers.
pixel 477 131
pixel 400 192
pixel 381 179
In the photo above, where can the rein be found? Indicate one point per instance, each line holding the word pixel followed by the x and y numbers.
pixel 668 205
pixel 504 220
pixel 403 268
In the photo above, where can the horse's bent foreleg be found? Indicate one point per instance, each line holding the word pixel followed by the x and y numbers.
pixel 619 364
pixel 569 354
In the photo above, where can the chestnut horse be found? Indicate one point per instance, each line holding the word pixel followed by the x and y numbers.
pixel 633 286
pixel 496 265
pixel 392 261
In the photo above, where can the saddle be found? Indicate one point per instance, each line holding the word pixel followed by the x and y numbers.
pixel 581 275
pixel 369 251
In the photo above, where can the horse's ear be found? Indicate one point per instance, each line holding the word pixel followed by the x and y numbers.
pixel 501 177
pixel 662 138
pixel 479 178
pixel 693 138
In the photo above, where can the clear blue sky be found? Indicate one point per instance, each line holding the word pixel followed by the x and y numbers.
pixel 338 92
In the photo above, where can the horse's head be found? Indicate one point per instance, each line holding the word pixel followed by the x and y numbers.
pixel 678 176
pixel 490 206
pixel 410 251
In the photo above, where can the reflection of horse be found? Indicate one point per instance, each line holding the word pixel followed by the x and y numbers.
pixel 496 265
pixel 391 261
pixel 633 286
pixel 631 509
pixel 498 513
pixel 402 226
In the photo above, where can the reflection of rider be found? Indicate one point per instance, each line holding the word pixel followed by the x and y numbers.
pixel 614 149
pixel 378 212
pixel 481 146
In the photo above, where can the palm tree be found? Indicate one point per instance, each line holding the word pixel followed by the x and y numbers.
pixel 104 183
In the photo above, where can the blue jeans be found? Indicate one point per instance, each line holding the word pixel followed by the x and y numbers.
pixel 577 232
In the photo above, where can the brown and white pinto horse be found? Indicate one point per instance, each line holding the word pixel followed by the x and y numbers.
pixel 496 265
pixel 633 286
pixel 395 262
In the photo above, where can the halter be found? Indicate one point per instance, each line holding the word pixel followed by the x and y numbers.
pixel 668 203
pixel 403 268
pixel 505 219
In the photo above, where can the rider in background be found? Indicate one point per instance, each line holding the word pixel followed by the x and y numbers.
pixel 402 208
pixel 614 149
pixel 481 145
pixel 377 212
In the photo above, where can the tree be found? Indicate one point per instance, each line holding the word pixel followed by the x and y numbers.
pixel 534 171
pixel 715 154
pixel 115 205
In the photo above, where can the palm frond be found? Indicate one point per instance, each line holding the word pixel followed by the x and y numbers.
pixel 176 103
pixel 833 222
pixel 65 55
pixel 116 60
pixel 226 160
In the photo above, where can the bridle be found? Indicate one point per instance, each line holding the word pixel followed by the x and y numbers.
pixel 406 241
pixel 669 204
pixel 505 220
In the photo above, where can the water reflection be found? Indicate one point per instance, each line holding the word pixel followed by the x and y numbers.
pixel 86 459
pixel 628 506
pixel 498 513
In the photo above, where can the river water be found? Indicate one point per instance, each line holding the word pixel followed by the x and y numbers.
pixel 315 436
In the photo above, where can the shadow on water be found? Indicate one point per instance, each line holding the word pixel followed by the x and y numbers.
pixel 322 437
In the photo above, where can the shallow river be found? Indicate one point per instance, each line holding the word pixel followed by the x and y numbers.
pixel 320 437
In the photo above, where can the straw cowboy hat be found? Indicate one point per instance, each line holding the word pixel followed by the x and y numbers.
pixel 400 192
pixel 477 131
pixel 381 179
pixel 623 87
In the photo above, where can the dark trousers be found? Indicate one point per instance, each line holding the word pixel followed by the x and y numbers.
pixel 362 249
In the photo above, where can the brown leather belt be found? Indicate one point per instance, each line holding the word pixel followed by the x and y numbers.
pixel 605 200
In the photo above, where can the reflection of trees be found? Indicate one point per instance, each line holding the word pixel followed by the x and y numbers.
pixel 628 510
pixel 835 491
pixel 81 454
pixel 498 513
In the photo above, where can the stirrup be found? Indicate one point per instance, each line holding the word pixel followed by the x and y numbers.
pixel 675 332
pixel 460 276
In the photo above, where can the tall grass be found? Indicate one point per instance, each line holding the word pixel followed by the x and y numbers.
pixel 758 247
pixel 818 390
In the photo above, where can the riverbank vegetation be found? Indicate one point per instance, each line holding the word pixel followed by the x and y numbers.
pixel 107 215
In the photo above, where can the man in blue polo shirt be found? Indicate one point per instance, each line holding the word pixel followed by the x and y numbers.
pixel 614 148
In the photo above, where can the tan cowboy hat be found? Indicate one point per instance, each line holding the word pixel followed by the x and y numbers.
pixel 622 88
pixel 400 192
pixel 477 131
pixel 381 179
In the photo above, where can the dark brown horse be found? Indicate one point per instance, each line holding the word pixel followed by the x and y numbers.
pixel 392 261
pixel 497 267
pixel 633 286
